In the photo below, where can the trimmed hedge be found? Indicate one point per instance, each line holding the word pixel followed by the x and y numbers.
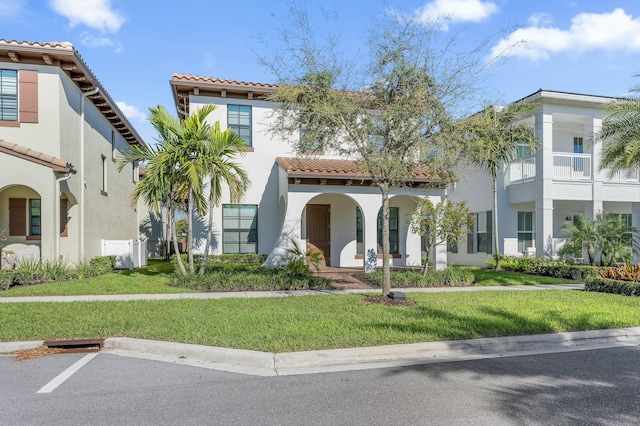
pixel 265 279
pixel 605 285
pixel 222 259
pixel 545 267
pixel 450 277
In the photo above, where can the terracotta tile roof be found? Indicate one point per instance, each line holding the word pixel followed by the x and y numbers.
pixel 64 55
pixel 37 157
pixel 330 168
pixel 211 80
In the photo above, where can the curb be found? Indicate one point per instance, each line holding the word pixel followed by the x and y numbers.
pixel 293 363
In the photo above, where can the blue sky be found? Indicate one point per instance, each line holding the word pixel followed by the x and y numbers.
pixel 134 47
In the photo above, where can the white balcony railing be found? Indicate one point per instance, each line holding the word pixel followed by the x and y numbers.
pixel 571 166
pixel 522 170
pixel 624 176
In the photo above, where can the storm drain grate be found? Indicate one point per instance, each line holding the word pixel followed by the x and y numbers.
pixel 87 345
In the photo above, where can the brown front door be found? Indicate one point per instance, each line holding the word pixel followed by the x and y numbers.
pixel 319 229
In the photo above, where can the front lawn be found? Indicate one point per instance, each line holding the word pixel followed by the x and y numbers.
pixel 322 321
pixel 148 280
pixel 490 277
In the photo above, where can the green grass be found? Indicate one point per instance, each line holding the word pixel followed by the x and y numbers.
pixel 322 322
pixel 148 280
pixel 489 277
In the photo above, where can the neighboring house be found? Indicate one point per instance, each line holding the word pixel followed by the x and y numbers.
pixel 60 133
pixel 316 199
pixel 547 189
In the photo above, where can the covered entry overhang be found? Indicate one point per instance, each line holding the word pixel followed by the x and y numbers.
pixel 332 205
pixel 31 200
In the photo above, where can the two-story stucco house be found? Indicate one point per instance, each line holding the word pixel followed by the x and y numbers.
pixel 547 189
pixel 60 132
pixel 315 199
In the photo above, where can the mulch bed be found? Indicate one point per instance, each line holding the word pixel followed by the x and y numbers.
pixel 384 300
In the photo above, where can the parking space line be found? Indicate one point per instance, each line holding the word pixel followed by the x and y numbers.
pixel 60 379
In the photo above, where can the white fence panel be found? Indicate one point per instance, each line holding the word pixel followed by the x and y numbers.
pixel 129 254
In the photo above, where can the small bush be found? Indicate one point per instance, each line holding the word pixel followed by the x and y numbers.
pixel 621 273
pixel 247 281
pixel 103 264
pixel 222 259
pixel 544 267
pixel 605 285
pixel 450 277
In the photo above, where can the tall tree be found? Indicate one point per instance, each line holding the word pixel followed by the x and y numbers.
pixel 390 120
pixel 621 133
pixel 223 147
pixel 187 151
pixel 497 134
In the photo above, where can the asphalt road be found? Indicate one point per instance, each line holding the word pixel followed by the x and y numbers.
pixel 599 387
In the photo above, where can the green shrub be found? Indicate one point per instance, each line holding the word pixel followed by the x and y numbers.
pixel 222 259
pixel 605 285
pixel 103 264
pixel 449 277
pixel 545 267
pixel 247 281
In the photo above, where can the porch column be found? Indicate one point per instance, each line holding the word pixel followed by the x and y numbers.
pixel 593 208
pixel 544 228
pixel 592 127
pixel 544 185
pixel 635 221
pixel 291 230
pixel 370 235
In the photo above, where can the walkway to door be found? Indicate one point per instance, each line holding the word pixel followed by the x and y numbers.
pixel 343 279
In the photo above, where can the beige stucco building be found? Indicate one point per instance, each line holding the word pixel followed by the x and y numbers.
pixel 60 133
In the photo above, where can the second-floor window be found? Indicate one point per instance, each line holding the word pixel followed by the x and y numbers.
pixel 524 150
pixel 8 95
pixel 239 121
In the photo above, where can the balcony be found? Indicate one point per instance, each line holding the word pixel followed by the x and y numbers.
pixel 568 166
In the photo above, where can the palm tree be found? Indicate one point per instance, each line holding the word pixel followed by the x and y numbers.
pixel 498 133
pixel 621 131
pixel 221 169
pixel 582 236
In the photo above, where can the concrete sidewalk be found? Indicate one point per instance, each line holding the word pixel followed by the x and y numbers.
pixel 283 293
pixel 282 364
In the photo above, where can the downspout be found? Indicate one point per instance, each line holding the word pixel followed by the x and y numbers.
pixel 56 224
pixel 82 176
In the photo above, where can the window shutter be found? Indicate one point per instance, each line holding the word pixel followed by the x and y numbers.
pixel 17 216
pixel 64 229
pixel 28 94
pixel 489 232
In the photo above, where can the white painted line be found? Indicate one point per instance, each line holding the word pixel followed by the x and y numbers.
pixel 60 379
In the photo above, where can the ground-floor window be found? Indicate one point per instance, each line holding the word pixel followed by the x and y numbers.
pixel 34 217
pixel 479 237
pixel 394 244
pixel 525 231
pixel 239 228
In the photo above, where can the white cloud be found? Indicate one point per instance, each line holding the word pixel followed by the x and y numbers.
pixel 447 11
pixel 588 31
pixel 538 19
pixel 96 14
pixel 132 112
pixel 9 8
pixel 92 42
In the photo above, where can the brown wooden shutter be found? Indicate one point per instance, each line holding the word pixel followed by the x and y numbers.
pixel 28 94
pixel 17 216
pixel 489 232
pixel 64 228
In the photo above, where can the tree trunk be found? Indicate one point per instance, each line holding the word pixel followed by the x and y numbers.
pixel 495 223
pixel 176 247
pixel 425 268
pixel 168 234
pixel 205 256
pixel 190 233
pixel 386 268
